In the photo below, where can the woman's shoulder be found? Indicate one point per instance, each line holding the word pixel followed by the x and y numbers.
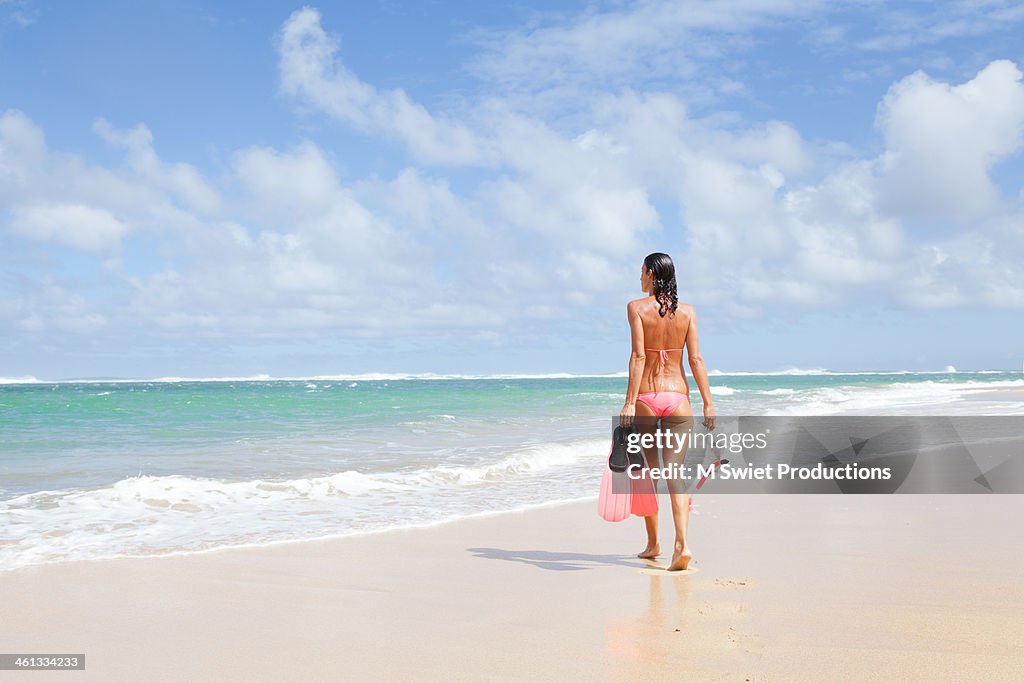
pixel 638 305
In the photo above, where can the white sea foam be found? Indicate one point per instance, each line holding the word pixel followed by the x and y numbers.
pixel 246 378
pixel 353 379
pixel 530 460
pixel 907 398
pixel 145 515
pixel 811 372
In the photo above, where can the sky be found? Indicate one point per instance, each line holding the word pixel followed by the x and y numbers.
pixel 210 189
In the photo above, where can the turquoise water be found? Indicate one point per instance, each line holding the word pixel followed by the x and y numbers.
pixel 101 469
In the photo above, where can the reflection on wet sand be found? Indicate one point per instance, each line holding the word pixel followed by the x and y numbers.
pixel 641 638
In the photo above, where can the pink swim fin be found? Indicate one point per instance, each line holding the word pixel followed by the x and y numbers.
pixel 614 507
pixel 645 497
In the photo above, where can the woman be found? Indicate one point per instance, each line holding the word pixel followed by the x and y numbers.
pixel 661 328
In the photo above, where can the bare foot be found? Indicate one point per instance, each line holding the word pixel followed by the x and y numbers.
pixel 650 552
pixel 680 559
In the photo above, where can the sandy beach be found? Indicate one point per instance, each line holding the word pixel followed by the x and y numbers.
pixel 781 588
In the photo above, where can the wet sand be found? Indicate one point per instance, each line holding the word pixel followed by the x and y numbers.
pixel 781 588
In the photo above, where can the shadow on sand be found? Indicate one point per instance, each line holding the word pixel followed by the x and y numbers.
pixel 558 562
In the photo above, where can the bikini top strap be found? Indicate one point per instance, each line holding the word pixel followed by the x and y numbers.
pixel 662 356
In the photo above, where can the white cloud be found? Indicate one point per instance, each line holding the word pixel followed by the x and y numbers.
pixel 309 68
pixel 304 254
pixel 427 208
pixel 601 49
pixel 72 225
pixel 22 145
pixel 942 141
pixel 561 189
pixel 540 211
pixel 754 235
pixel 297 183
pixel 20 13
pixel 183 181
pixel 52 307
pixel 899 28
pixel 141 195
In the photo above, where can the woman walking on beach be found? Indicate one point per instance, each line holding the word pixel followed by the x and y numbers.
pixel 661 328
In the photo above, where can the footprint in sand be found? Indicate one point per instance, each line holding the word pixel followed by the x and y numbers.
pixel 721 610
pixel 733 583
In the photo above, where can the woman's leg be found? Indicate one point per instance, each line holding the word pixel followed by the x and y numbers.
pixel 679 425
pixel 647 421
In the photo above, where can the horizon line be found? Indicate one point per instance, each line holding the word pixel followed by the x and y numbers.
pixel 406 376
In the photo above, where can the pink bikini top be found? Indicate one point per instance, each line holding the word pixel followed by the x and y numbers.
pixel 662 355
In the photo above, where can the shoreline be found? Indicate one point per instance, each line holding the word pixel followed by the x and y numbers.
pixel 317 539
pixel 782 587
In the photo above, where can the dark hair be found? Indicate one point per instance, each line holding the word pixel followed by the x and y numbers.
pixel 663 282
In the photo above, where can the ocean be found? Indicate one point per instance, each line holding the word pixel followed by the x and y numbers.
pixel 109 468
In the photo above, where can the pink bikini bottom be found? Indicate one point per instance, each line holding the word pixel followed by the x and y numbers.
pixel 663 402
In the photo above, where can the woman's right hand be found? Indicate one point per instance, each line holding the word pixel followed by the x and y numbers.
pixel 627 414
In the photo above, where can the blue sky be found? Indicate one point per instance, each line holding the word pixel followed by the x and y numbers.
pixel 213 189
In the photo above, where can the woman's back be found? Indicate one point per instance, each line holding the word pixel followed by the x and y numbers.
pixel 664 342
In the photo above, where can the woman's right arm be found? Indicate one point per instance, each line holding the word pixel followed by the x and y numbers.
pixel 636 361
pixel 700 373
